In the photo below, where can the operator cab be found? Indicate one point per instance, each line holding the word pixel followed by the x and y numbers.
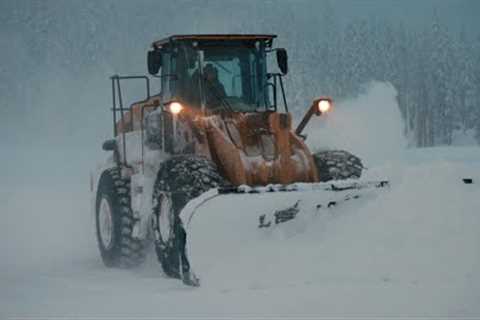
pixel 215 73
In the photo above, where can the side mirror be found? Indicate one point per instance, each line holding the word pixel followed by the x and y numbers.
pixel 154 61
pixel 109 145
pixel 282 60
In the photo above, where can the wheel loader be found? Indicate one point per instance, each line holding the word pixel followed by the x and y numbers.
pixel 219 124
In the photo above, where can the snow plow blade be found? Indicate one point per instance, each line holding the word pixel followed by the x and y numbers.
pixel 224 221
pixel 325 186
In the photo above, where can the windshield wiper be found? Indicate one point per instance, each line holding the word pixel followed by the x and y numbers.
pixel 218 64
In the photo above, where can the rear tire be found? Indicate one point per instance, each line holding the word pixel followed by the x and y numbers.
pixel 337 165
pixel 179 180
pixel 114 222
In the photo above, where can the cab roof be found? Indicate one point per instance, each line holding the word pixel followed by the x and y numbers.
pixel 268 38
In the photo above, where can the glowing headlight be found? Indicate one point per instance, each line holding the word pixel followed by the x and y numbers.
pixel 324 106
pixel 175 107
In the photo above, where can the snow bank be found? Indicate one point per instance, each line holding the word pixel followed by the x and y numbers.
pixel 369 125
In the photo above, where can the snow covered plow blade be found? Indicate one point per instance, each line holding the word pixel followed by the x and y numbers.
pixel 226 221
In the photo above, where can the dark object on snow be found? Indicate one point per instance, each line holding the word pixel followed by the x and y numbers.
pixel 286 214
pixel 280 216
pixel 262 222
pixel 331 204
pixel 334 203
pixel 467 180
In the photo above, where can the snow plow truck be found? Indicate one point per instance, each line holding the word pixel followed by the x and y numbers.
pixel 219 125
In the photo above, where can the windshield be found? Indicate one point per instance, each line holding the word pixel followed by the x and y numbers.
pixel 230 78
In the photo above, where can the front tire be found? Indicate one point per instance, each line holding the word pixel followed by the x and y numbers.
pixel 180 179
pixel 337 165
pixel 114 222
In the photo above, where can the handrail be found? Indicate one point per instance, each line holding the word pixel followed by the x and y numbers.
pixel 117 105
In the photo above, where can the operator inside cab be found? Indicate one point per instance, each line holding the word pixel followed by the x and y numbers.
pixel 214 89
pixel 226 78
pixel 215 93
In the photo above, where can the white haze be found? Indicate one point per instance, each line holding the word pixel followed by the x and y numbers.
pixel 369 125
pixel 409 250
pixel 51 132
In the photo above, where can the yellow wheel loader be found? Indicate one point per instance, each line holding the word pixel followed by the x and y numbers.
pixel 219 125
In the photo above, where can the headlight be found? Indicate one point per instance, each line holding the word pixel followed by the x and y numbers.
pixel 324 105
pixel 175 108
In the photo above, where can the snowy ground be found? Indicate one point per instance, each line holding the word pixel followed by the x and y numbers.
pixel 408 251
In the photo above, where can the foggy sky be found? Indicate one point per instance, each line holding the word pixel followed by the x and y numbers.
pixel 57 55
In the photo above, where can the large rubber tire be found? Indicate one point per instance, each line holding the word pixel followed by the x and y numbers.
pixel 180 179
pixel 337 165
pixel 118 248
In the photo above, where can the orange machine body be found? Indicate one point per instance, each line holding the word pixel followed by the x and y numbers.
pixel 257 148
